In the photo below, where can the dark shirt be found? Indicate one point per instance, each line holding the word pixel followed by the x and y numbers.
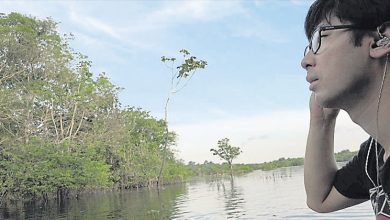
pixel 354 182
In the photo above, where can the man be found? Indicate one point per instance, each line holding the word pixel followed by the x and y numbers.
pixel 346 63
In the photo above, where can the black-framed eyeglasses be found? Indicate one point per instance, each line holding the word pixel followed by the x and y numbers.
pixel 315 40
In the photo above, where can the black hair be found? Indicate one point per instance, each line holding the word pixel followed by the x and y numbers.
pixel 366 14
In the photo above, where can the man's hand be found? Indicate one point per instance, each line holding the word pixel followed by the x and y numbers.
pixel 320 114
pixel 320 165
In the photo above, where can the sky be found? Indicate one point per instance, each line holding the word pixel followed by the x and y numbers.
pixel 253 90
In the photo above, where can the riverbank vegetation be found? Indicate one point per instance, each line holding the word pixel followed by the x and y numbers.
pixel 62 128
pixel 341 156
pixel 210 168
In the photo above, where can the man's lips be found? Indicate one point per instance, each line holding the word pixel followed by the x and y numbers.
pixel 312 80
pixel 313 84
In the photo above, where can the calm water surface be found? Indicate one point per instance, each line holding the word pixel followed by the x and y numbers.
pixel 277 194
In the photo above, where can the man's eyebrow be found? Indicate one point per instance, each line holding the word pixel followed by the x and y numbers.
pixel 316 28
pixel 323 24
pixel 319 26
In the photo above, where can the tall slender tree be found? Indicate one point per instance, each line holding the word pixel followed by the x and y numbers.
pixel 180 76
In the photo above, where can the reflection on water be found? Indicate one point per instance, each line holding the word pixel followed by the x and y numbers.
pixel 277 194
pixel 142 204
pixel 234 201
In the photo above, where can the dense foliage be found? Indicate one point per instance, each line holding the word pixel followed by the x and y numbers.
pixel 62 129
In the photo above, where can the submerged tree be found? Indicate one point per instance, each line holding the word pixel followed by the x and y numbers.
pixel 180 77
pixel 227 152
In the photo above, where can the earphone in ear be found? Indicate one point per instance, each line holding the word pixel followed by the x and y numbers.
pixel 382 42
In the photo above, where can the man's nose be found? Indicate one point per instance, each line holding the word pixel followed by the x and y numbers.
pixel 308 60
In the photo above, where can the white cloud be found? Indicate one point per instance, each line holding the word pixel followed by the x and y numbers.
pixel 182 12
pixel 262 137
pixel 96 25
pixel 262 3
pixel 260 30
pixel 302 2
pixel 147 27
pixel 92 23
pixel 141 27
pixel 25 7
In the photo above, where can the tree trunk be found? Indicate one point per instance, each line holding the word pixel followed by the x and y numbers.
pixel 159 178
pixel 70 129
pixel 231 170
pixel 2 197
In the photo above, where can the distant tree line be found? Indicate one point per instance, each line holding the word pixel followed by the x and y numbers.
pixel 341 156
pixel 210 168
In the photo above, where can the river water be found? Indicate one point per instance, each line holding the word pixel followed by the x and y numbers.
pixel 276 194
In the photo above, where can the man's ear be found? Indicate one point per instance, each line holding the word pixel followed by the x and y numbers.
pixel 380 48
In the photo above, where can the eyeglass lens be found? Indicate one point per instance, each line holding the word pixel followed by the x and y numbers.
pixel 314 43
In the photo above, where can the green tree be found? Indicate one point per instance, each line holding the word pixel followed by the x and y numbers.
pixel 48 100
pixel 180 76
pixel 227 152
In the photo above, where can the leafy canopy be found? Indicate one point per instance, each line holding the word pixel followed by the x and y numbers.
pixel 226 151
